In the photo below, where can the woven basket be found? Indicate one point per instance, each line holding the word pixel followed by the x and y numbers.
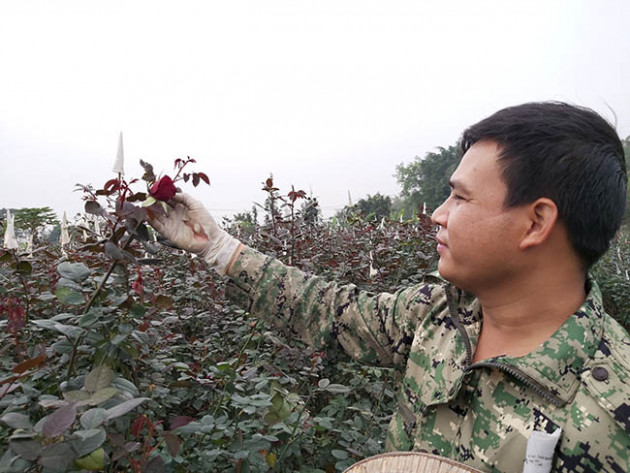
pixel 409 462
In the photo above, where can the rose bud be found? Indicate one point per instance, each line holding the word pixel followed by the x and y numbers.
pixel 163 189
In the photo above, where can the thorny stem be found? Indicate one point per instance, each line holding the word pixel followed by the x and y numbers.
pixel 238 358
pixel 24 285
pixel 293 438
pixel 88 306
pixel 292 230
pixel 27 298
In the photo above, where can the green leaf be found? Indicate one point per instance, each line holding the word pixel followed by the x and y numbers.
pixel 95 461
pixel 113 251
pixel 92 207
pixel 125 385
pixel 151 248
pixel 337 389
pixel 150 201
pixel 118 339
pixel 102 395
pixel 138 310
pixel 69 330
pixel 88 319
pixel 124 407
pixel 277 401
pixel 99 378
pixel 323 383
pixel 27 449
pixel 340 454
pixel 16 420
pixel 69 283
pixel 19 434
pixel 74 396
pixel 24 267
pixel 93 418
pixel 142 233
pixel 63 347
pixel 241 455
pixel 57 422
pixel 77 272
pixel 45 296
pixel 88 441
pixel 68 296
pixel 56 456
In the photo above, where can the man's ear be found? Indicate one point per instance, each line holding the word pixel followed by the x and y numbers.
pixel 542 216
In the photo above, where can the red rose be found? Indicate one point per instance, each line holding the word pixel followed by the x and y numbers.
pixel 164 189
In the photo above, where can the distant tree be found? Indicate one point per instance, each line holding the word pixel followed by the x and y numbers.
pixel 626 152
pixel 371 207
pixel 425 180
pixel 3 220
pixel 34 220
pixel 310 210
pixel 54 235
pixel 243 217
pixel 242 224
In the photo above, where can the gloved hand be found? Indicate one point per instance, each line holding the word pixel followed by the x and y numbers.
pixel 189 226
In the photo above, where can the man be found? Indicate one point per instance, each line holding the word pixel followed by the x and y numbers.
pixel 509 361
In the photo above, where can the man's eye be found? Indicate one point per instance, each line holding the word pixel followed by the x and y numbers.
pixel 458 197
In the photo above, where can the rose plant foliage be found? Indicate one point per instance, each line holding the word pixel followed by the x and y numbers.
pixel 122 354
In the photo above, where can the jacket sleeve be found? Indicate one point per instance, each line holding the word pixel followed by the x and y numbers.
pixel 376 329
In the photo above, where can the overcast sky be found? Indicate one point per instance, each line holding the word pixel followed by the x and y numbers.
pixel 327 95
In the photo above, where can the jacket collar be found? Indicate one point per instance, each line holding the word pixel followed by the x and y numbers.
pixel 557 364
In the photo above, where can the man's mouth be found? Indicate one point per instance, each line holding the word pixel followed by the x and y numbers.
pixel 441 246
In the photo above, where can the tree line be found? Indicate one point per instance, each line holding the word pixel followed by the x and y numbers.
pixel 423 182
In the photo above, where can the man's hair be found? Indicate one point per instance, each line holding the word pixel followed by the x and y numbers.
pixel 568 154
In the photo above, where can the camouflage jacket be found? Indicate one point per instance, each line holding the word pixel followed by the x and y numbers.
pixel 480 414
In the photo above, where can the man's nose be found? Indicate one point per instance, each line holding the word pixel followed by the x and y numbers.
pixel 439 215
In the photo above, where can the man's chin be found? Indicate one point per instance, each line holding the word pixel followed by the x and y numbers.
pixel 443 269
pixel 446 271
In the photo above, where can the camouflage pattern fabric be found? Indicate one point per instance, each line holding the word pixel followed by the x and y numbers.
pixel 479 414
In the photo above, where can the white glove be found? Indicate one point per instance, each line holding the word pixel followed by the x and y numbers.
pixel 189 226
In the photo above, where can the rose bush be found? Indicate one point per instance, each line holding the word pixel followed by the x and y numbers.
pixel 124 356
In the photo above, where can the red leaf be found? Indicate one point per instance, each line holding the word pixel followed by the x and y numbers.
pixel 110 183
pixel 57 422
pixel 28 364
pixel 138 424
pixel 173 444
pixel 195 179
pixel 269 182
pixel 155 465
pixel 186 177
pixel 180 421
pixel 204 177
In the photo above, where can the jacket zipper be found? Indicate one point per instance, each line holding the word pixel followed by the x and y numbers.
pixel 455 319
pixel 524 378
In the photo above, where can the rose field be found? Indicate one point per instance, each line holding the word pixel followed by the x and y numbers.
pixel 121 354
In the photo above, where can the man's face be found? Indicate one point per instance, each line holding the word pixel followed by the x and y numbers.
pixel 478 237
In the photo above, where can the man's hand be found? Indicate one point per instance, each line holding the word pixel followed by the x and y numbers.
pixel 190 227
